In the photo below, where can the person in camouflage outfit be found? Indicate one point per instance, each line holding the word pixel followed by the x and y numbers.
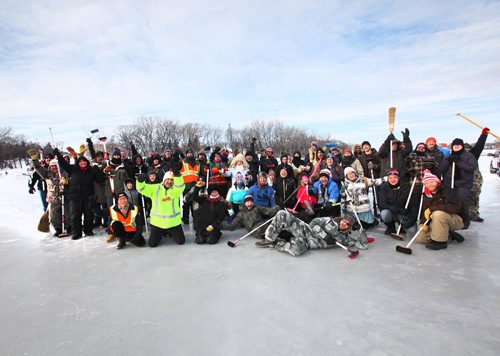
pixel 320 233
pixel 474 196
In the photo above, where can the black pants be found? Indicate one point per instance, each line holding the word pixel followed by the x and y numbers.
pixel 79 207
pixel 134 237
pixel 157 233
pixel 208 237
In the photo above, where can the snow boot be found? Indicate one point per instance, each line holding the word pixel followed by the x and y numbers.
pixel 391 228
pixel 76 237
pixel 57 233
pixel 121 243
pixel 265 243
pixel 453 235
pixel 435 245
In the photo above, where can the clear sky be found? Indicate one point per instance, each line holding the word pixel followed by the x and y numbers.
pixel 331 66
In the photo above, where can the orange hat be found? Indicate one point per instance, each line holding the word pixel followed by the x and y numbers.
pixel 430 139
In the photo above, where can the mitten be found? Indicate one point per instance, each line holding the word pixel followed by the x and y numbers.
pixel 71 152
pixel 406 134
pixel 82 149
pixel 31 189
pixel 210 228
pixel 425 228
pixel 141 177
pixel 427 213
pixel 485 131
pixel 34 154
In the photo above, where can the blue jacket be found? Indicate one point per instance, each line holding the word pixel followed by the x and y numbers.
pixel 330 195
pixel 262 196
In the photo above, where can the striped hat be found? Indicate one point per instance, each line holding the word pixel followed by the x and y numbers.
pixel 429 177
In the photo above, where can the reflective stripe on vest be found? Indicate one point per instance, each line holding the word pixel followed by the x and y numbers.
pixel 188 175
pixel 157 205
pixel 127 221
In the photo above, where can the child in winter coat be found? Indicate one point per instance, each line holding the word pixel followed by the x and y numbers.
pixel 236 194
pixel 210 214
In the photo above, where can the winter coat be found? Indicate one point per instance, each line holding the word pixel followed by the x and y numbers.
pixel 446 199
pixel 262 196
pixel 394 199
pixel 398 156
pixel 328 193
pixel 267 164
pixel 100 183
pixel 133 197
pixel 416 165
pixel 250 219
pixel 81 182
pixel 358 192
pixel 437 154
pixel 54 192
pixel 288 168
pixel 284 188
pixel 165 211
pixel 236 195
pixel 374 158
pixel 208 213
pixel 464 170
pixel 118 173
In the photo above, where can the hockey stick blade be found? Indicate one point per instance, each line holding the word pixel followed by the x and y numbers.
pixel 403 250
pixel 396 236
pixel 231 244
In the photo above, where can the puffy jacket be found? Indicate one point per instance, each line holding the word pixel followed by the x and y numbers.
pixel 262 196
pixel 128 221
pixel 165 211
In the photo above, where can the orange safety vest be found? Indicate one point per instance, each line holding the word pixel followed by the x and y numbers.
pixel 127 221
pixel 189 173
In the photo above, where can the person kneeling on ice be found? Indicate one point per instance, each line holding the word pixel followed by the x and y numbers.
pixel 320 233
pixel 211 212
pixel 125 219
pixel 166 214
pixel 392 201
pixel 443 206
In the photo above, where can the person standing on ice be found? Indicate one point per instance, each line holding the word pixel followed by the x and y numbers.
pixel 166 213
pixel 320 233
pixel 54 191
pixel 443 206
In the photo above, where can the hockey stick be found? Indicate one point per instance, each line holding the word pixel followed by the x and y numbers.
pixel 233 243
pixel 144 212
pixel 453 175
pixel 61 186
pixel 407 248
pixel 397 235
pixel 374 193
pixel 475 123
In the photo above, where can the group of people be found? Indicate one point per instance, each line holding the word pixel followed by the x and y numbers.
pixel 291 203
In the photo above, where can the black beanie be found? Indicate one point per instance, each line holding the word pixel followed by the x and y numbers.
pixel 457 141
pixel 116 152
pixel 365 143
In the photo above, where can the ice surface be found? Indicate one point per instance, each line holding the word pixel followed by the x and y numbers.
pixel 64 297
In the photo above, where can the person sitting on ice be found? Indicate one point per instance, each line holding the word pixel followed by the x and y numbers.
pixel 357 190
pixel 327 193
pixel 392 201
pixel 125 219
pixel 284 187
pixel 210 213
pixel 236 194
pixel 250 217
pixel 443 206
pixel 262 193
pixel 320 233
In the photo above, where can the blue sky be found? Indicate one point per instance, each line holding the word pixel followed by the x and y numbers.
pixel 333 67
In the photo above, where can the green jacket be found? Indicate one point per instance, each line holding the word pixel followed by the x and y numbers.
pixel 165 211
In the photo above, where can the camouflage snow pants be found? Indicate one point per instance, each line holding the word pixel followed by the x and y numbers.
pixel 302 238
pixel 474 195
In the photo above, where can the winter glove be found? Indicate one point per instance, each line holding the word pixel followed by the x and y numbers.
pixel 72 152
pixel 64 180
pixel 391 137
pixel 217 149
pixel 425 228
pixel 141 177
pixel 427 213
pixel 31 189
pixel 370 166
pixel 210 228
pixel 485 131
pixel 89 141
pixel 453 158
pixel 177 155
pixel 34 154
pixel 406 134
pixel 82 149
pixel 108 169
pixel 254 139
pixel 56 152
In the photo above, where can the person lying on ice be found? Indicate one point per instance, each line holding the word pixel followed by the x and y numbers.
pixel 443 206
pixel 320 233
pixel 250 217
pixel 125 218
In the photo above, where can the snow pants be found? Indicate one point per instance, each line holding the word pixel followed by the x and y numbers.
pixel 55 214
pixel 134 237
pixel 439 227
pixel 158 233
